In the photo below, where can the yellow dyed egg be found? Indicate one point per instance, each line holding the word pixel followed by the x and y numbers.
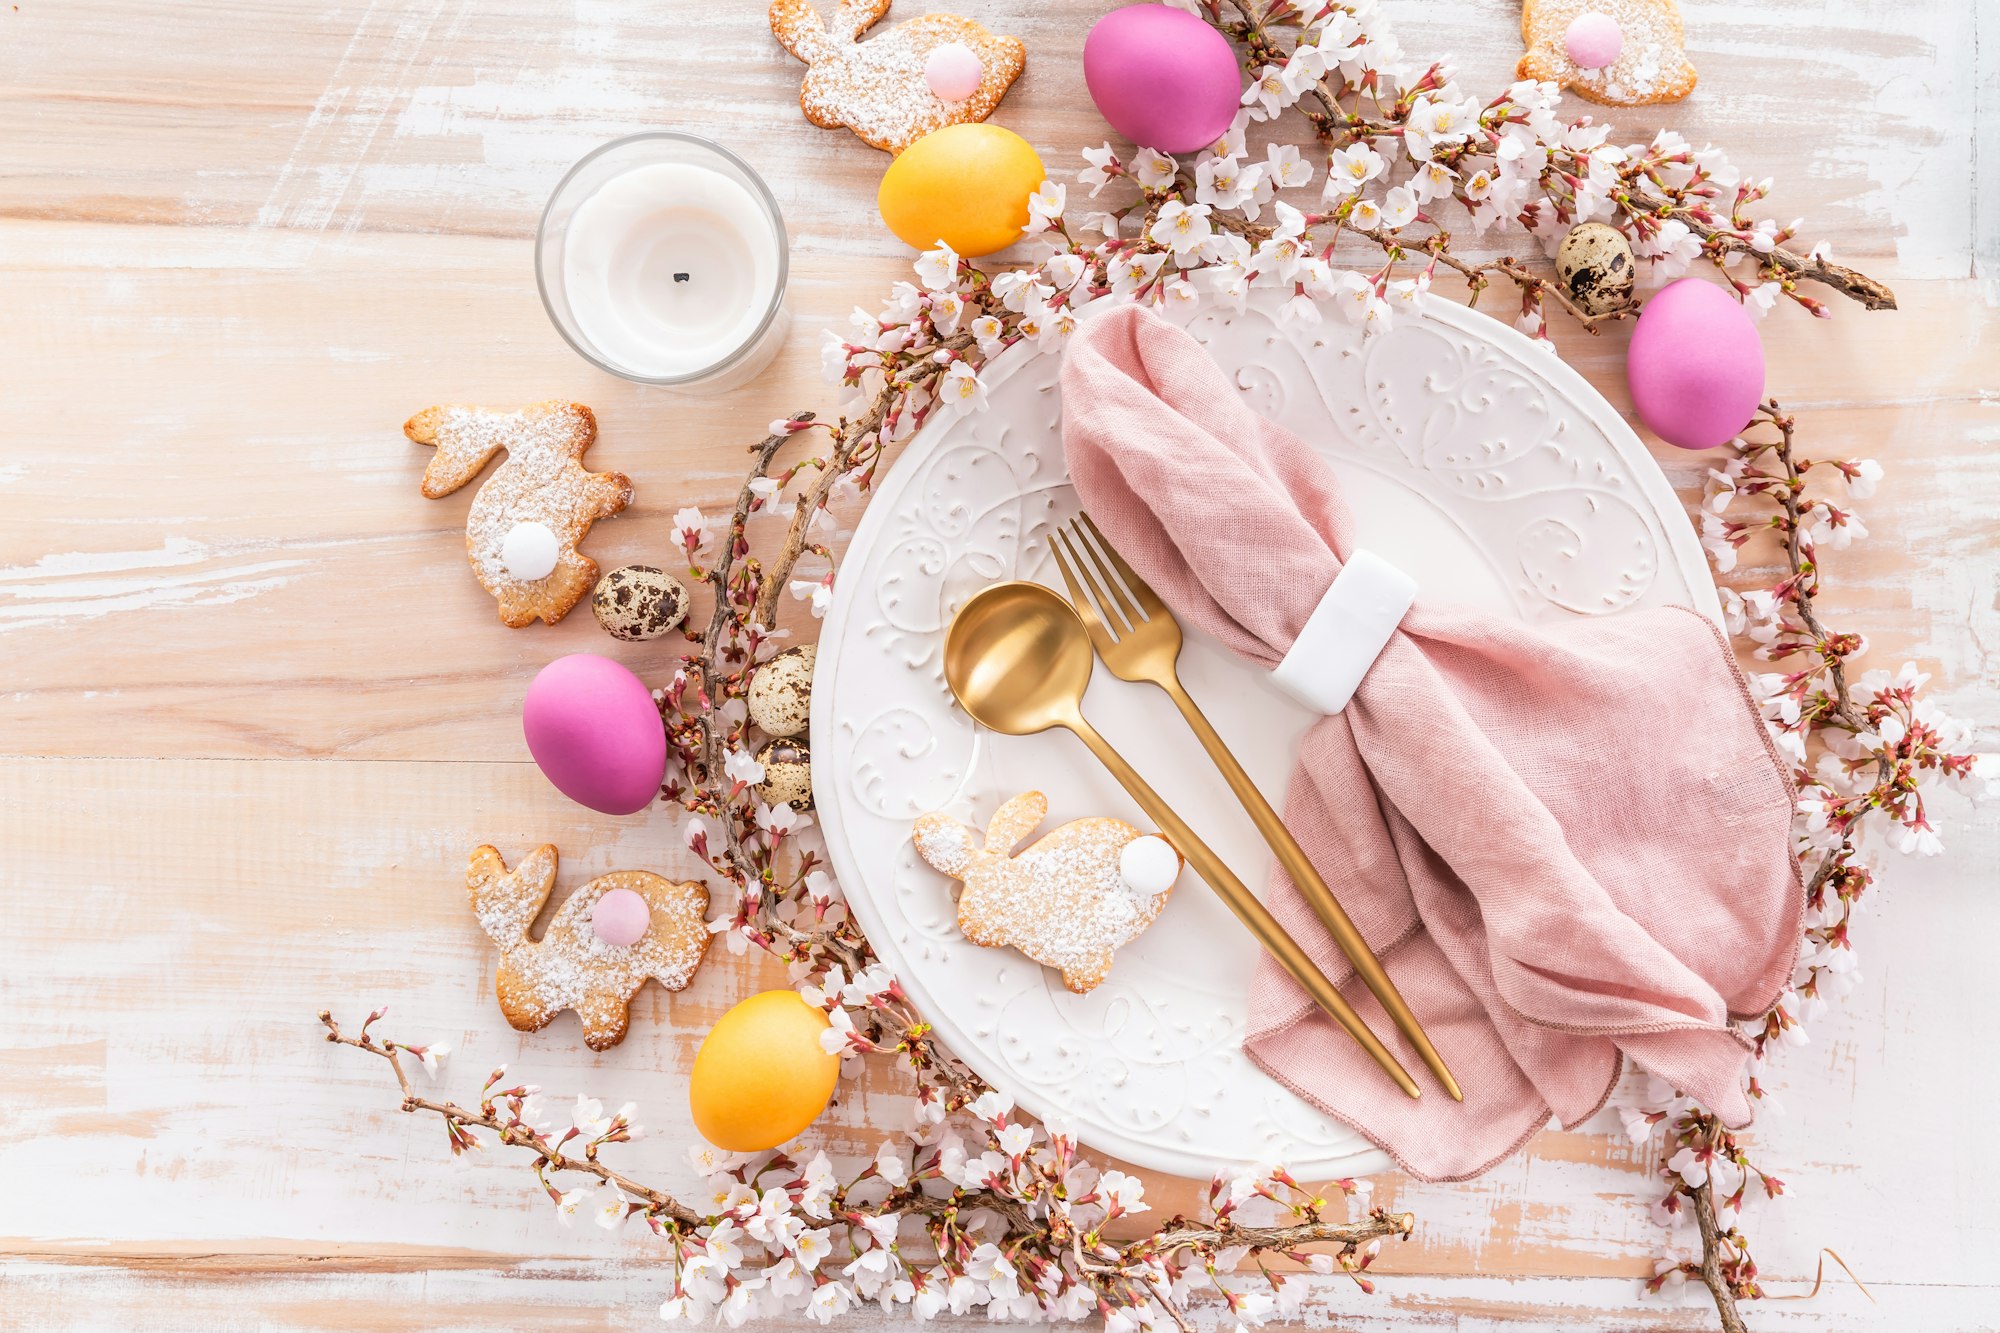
pixel 966 185
pixel 760 1076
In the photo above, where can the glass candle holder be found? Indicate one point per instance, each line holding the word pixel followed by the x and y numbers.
pixel 662 258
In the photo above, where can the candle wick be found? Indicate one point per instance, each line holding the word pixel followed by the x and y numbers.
pixel 680 277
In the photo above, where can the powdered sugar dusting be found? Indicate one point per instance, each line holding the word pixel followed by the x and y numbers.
pixel 570 967
pixel 1063 902
pixel 541 481
pixel 877 88
pixel 1652 65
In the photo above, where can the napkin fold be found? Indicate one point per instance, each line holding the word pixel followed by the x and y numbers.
pixel 1565 842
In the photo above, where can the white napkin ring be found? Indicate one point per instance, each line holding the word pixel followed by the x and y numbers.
pixel 1347 631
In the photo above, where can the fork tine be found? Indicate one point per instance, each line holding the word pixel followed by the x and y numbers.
pixel 1117 616
pixel 1149 601
pixel 1133 616
pixel 1104 634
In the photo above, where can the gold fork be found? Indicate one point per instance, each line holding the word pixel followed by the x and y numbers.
pixel 1139 640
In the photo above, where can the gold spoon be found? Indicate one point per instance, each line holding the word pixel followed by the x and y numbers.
pixel 1018 660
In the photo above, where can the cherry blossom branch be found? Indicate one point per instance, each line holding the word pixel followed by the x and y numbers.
pixel 511 1131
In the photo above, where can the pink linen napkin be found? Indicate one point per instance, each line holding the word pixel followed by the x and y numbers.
pixel 1564 842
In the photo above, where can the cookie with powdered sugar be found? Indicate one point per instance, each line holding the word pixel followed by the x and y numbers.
pixel 531 515
pixel 1069 901
pixel 1615 52
pixel 607 939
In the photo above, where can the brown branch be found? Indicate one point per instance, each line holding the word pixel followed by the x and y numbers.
pixel 1858 286
pixel 1711 1259
pixel 552 1159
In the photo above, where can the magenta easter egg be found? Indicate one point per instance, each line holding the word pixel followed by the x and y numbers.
pixel 1162 77
pixel 595 733
pixel 1696 365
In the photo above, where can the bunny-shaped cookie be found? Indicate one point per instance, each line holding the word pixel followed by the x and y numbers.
pixel 877 88
pixel 529 517
pixel 571 967
pixel 1063 902
pixel 1651 64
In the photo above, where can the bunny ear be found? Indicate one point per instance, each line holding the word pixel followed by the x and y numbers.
pixel 796 25
pixel 1014 821
pixel 946 844
pixel 508 901
pixel 855 17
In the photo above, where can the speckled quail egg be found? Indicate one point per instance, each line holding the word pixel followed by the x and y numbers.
pixel 639 602
pixel 788 775
pixel 781 692
pixel 1594 264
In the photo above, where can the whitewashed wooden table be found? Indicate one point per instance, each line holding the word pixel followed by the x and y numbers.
pixel 256 711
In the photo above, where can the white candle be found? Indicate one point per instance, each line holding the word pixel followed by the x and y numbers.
pixel 663 259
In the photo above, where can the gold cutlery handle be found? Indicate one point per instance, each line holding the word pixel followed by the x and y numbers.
pixel 1244 904
pixel 1293 858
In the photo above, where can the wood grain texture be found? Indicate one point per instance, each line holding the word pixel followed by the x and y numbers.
pixel 256 711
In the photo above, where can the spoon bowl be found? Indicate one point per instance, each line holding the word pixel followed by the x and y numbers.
pixel 1018 658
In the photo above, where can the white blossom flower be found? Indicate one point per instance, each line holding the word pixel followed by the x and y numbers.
pixel 892 1165
pixel 723 1245
pixel 1399 208
pixel 1671 248
pixel 818 591
pixel 1045 207
pixel 1270 91
pixel 1123 1192
pixel 1433 180
pixel 1134 270
pixel 611 1210
pixel 569 1204
pixel 1351 168
pixel 742 766
pixel 1181 227
pixel 821 887
pixel 1181 294
pixel 811 1247
pixel 777 820
pixel 432 1056
pixel 690 528
pixel 1103 169
pixel 589 1118
pixel 947 308
pixel 1861 481
pixel 1153 170
pixel 988 331
pixel 829 1300
pixel 1282 251
pixel 1064 271
pixel 882 1228
pixel 1287 170
pixel 937 268
pixel 1223 182
pixel 959 388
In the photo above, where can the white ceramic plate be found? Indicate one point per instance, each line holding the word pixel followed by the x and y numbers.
pixel 1472 458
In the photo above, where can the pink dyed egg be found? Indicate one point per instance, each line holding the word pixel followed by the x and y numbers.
pixel 1593 39
pixel 620 918
pixel 1696 365
pixel 595 733
pixel 1162 77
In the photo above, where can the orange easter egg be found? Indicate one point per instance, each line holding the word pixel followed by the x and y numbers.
pixel 966 185
pixel 761 1076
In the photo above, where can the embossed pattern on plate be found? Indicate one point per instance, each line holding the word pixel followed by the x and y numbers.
pixel 1472 458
